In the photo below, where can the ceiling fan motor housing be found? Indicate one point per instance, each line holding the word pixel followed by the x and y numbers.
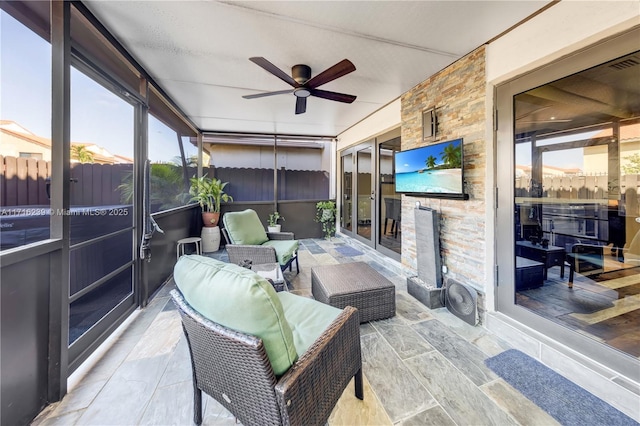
pixel 302 83
pixel 301 73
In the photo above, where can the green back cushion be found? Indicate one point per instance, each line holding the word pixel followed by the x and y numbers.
pixel 238 298
pixel 308 318
pixel 285 249
pixel 244 227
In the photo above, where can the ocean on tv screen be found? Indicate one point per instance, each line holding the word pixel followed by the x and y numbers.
pixel 448 181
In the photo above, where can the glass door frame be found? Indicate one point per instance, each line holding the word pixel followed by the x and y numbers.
pixel 376 199
pixel 346 194
pixel 505 235
pixel 353 150
pixel 380 201
pixel 86 344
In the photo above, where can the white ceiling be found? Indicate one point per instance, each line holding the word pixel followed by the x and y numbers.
pixel 198 52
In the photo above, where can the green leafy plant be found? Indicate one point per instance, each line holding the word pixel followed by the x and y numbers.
pixel 633 164
pixel 81 153
pixel 209 193
pixel 166 187
pixel 326 215
pixel 274 218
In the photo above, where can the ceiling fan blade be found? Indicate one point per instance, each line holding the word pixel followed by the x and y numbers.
pixel 301 105
pixel 340 97
pixel 262 95
pixel 268 66
pixel 343 67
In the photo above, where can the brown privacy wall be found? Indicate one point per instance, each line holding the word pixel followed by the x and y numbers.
pixel 252 184
pixel 23 182
pixel 458 93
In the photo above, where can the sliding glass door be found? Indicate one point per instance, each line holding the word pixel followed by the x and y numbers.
pixel 389 202
pixel 572 257
pixel 103 190
pixel 364 192
pixel 371 210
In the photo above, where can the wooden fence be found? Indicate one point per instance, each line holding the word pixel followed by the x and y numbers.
pixel 251 184
pixel 583 188
pixel 23 182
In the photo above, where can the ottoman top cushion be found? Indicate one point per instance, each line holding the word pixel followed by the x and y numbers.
pixel 347 278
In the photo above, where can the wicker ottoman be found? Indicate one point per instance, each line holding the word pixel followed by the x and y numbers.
pixel 355 284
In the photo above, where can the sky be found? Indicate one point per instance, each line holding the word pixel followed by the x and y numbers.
pixel 97 115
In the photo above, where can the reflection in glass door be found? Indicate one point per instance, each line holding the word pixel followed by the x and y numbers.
pixel 368 194
pixel 577 176
pixel 102 237
pixel 364 192
pixel 346 209
pixel 390 202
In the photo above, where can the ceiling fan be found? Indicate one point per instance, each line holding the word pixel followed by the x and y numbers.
pixel 304 85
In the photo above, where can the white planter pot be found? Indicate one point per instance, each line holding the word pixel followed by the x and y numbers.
pixel 275 228
pixel 210 239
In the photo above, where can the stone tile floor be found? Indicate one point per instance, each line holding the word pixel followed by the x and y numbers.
pixel 421 367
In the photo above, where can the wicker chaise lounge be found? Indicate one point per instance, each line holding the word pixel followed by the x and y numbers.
pixel 235 367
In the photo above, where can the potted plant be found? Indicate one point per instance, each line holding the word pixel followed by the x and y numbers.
pixel 273 225
pixel 209 193
pixel 326 215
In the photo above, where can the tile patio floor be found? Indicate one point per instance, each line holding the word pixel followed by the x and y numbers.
pixel 422 367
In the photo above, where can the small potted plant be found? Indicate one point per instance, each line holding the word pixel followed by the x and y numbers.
pixel 326 215
pixel 209 193
pixel 273 225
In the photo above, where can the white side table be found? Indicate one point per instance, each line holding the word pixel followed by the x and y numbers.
pixel 210 238
pixel 190 240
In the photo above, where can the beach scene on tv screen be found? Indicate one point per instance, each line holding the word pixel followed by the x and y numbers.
pixel 431 169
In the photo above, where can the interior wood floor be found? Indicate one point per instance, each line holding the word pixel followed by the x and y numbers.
pixel 605 307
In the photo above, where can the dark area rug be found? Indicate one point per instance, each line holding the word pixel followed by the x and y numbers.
pixel 348 251
pixel 565 401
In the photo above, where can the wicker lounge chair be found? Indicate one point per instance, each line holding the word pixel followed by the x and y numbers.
pixel 233 368
pixel 246 239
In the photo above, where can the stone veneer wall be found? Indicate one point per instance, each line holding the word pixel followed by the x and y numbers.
pixel 459 94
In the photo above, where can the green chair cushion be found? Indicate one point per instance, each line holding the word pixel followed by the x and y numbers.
pixel 285 249
pixel 244 227
pixel 240 299
pixel 308 318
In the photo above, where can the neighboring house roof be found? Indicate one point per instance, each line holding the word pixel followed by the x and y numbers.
pixel 27 137
pixel 14 127
pixel 100 154
pixel 628 132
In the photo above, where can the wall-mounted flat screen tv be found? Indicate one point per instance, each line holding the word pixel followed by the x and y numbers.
pixel 433 170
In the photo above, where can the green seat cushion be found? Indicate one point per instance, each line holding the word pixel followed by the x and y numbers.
pixel 244 227
pixel 285 249
pixel 239 299
pixel 308 318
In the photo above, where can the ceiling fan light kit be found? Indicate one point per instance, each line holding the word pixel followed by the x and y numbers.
pixel 304 85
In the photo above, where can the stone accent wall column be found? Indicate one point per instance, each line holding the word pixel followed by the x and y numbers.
pixel 459 94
